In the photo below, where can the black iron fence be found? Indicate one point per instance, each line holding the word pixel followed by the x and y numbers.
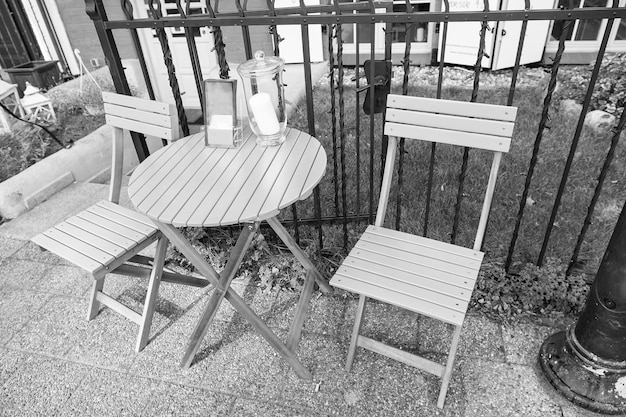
pixel 356 145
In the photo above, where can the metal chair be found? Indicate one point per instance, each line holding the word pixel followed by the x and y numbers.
pixel 105 237
pixel 426 276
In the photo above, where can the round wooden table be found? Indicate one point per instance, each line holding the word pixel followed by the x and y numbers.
pixel 189 184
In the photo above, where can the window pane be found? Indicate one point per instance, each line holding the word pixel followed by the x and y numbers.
pixel 418 32
pixel 559 25
pixel 364 30
pixel 589 30
pixel 621 31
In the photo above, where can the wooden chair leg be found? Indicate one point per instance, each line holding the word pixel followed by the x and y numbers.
pixel 449 365
pixel 355 331
pixel 94 304
pixel 151 296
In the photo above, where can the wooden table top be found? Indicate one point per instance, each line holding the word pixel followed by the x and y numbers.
pixel 189 184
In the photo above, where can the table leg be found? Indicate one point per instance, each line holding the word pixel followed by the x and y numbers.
pixel 151 296
pixel 226 277
pixel 303 303
pixel 284 235
pixel 233 298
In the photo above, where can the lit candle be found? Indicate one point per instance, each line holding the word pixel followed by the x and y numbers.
pixel 263 112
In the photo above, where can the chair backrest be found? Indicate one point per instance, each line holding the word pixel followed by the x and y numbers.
pixel 473 125
pixel 148 117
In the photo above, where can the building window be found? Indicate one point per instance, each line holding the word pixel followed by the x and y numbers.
pixel 621 31
pixel 418 32
pixel 581 30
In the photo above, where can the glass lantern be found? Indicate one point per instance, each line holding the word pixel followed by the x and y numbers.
pixel 222 123
pixel 265 97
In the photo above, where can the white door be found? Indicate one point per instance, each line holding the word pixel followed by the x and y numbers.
pixel 463 38
pixel 508 34
pixel 291 46
pixel 180 55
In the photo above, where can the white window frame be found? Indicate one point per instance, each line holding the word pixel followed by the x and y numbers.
pixel 580 46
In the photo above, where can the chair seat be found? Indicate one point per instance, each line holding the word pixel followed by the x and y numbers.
pixel 422 275
pixel 99 238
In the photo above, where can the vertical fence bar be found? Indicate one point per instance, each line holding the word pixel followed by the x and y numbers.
pixel 542 125
pixel 273 30
pixel 97 13
pixel 333 112
pixel 518 56
pixel 387 58
pixel 127 8
pixel 406 62
pixel 155 8
pixel 596 194
pixel 357 116
pixel 310 111
pixel 218 45
pixel 245 31
pixel 433 146
pixel 342 129
pixel 577 133
pixel 193 50
pixel 477 69
pixel 371 109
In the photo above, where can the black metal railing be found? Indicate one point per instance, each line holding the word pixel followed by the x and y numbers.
pixel 334 17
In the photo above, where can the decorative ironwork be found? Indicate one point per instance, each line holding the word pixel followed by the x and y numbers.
pixel 155 9
pixel 577 133
pixel 542 126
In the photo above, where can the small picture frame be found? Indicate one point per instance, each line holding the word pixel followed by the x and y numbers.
pixel 222 123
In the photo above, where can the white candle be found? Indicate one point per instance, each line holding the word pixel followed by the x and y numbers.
pixel 221 121
pixel 219 132
pixel 263 112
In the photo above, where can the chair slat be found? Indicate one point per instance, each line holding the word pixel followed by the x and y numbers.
pixel 458 108
pixel 126 212
pixel 450 137
pixel 103 232
pixel 137 126
pixel 410 261
pixel 423 245
pixel 93 239
pixel 140 115
pixel 396 298
pixel 69 253
pixel 442 286
pixel 452 122
pixel 83 247
pixel 136 102
pixel 117 217
pixel 435 294
pixel 113 226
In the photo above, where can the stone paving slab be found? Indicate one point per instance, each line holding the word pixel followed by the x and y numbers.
pixel 55 362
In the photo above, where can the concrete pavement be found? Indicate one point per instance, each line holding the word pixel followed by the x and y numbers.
pixel 54 362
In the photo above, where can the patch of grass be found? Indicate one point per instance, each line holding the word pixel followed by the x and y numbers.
pixel 79 111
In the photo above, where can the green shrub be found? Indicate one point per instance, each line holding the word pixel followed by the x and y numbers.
pixel 534 290
pixel 609 93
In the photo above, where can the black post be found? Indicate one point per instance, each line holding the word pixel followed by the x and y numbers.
pixel 587 362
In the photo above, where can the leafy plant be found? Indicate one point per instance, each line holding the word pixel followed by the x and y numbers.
pixel 534 290
pixel 610 89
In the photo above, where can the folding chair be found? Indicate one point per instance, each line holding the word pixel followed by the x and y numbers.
pixel 426 276
pixel 105 237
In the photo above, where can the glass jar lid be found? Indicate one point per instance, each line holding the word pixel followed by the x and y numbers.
pixel 261 65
